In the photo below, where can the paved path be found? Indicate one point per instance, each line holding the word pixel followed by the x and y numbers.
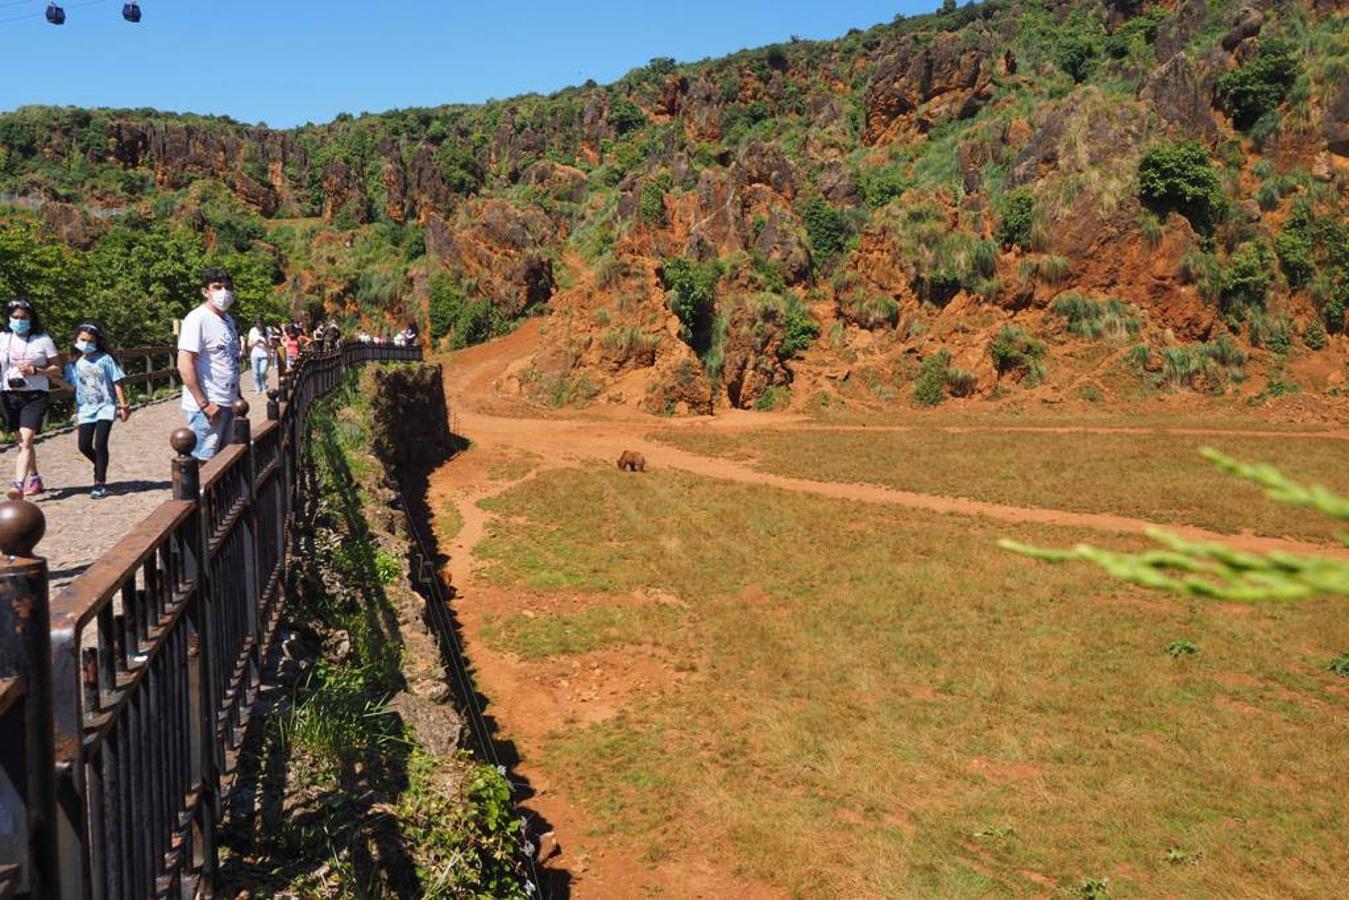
pixel 79 529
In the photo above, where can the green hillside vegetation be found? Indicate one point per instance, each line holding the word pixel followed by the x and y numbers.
pixel 990 148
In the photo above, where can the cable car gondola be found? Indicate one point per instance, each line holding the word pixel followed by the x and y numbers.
pixel 131 12
pixel 55 14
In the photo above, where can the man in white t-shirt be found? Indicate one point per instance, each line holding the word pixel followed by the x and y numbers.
pixel 208 362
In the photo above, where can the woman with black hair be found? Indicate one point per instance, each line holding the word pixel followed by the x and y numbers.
pixel 30 359
pixel 97 380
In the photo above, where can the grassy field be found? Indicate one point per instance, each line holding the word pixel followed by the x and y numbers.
pixel 1158 477
pixel 881 703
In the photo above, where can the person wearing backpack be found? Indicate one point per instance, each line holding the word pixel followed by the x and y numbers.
pixel 30 359
pixel 99 399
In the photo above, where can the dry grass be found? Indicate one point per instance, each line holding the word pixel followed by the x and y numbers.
pixel 1159 477
pixel 883 704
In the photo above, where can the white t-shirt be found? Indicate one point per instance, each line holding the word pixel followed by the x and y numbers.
pixel 257 343
pixel 36 349
pixel 216 343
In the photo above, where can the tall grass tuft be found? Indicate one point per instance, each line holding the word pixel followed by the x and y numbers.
pixel 1096 319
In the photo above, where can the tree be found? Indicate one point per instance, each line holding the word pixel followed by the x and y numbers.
pixel 625 116
pixel 691 289
pixel 825 227
pixel 1215 570
pixel 1018 214
pixel 1076 54
pixel 1179 176
pixel 1249 92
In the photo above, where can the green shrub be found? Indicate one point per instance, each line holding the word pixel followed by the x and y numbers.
pixel 1267 195
pixel 1274 334
pixel 800 329
pixel 1333 311
pixel 1247 279
pixel 774 397
pixel 826 228
pixel 1177 649
pixel 652 205
pixel 1224 351
pixel 625 116
pixel 1139 356
pixel 691 290
pixel 1314 335
pixel 1179 177
pixel 930 388
pixel 1018 214
pixel 1134 35
pixel 1294 247
pixel 1076 55
pixel 881 185
pixel 459 167
pixel 468 321
pixel 1182 365
pixel 1339 665
pixel 1250 92
pixel 1013 350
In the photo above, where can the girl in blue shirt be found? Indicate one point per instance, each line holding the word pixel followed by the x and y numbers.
pixel 97 380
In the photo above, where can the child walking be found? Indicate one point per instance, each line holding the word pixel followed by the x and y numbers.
pixel 97 379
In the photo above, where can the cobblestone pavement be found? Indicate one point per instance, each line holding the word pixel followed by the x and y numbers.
pixel 79 529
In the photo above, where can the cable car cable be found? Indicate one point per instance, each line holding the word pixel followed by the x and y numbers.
pixel 38 15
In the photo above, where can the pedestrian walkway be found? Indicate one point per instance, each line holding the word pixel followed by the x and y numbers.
pixel 80 529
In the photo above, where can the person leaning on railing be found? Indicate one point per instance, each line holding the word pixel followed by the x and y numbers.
pixel 208 362
pixel 30 358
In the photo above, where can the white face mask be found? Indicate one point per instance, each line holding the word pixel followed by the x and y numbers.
pixel 222 299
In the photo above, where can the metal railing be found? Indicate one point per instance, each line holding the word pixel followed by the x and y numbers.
pixel 124 700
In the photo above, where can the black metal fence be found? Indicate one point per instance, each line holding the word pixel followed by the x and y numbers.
pixel 123 701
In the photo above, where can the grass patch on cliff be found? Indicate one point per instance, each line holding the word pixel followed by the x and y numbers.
pixel 1159 477
pixel 879 703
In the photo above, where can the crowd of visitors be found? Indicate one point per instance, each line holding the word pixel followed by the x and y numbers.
pixel 210 355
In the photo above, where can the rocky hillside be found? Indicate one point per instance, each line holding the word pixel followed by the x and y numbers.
pixel 1076 199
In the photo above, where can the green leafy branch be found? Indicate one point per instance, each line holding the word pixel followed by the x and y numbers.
pixel 1215 570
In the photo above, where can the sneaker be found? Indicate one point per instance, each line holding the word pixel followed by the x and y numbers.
pixel 98 493
pixel 16 491
pixel 34 486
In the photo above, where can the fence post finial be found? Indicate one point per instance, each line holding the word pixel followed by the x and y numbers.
pixel 186 467
pixel 242 430
pixel 273 405
pixel 22 525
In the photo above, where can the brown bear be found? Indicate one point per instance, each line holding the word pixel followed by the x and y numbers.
pixel 631 461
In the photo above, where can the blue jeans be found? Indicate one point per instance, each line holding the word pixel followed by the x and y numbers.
pixel 210 438
pixel 260 373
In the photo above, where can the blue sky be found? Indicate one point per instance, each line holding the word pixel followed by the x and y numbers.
pixel 288 63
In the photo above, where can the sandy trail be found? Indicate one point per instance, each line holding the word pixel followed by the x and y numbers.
pixel 528 701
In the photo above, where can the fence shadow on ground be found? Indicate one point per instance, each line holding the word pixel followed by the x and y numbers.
pixel 292 829
pixel 554 882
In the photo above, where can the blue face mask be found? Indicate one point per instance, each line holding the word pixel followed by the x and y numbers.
pixel 19 326
pixel 86 346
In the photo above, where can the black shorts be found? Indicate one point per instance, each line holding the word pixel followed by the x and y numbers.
pixel 24 409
